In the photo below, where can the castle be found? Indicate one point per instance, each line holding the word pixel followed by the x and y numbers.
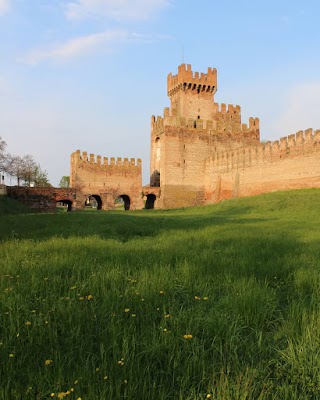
pixel 201 153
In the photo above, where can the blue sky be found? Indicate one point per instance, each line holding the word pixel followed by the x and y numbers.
pixel 88 74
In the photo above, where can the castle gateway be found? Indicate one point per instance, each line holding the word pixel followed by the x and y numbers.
pixel 201 153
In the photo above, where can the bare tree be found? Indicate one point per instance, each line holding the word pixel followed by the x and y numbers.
pixel 3 159
pixel 29 169
pixel 15 167
pixel 25 169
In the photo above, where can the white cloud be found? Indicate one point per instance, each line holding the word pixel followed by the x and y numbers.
pixel 79 46
pixel 115 9
pixel 301 110
pixel 4 6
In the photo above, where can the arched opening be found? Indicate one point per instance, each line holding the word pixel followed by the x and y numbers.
pixel 155 179
pixel 151 198
pixel 157 154
pixel 122 202
pixel 93 201
pixel 64 205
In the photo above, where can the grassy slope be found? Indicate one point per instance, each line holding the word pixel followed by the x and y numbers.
pixel 242 277
pixel 11 206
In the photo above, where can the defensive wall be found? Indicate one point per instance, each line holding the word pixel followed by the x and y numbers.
pixel 106 180
pixel 290 163
pixel 42 198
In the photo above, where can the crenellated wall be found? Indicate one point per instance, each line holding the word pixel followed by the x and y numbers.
pixel 189 80
pixel 107 178
pixel 83 158
pixel 289 163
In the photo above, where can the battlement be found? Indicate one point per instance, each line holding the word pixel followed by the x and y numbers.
pixel 157 122
pixel 227 109
pixel 224 113
pixel 83 158
pixel 186 79
pixel 295 145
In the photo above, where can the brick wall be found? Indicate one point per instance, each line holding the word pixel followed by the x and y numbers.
pixel 106 178
pixel 291 163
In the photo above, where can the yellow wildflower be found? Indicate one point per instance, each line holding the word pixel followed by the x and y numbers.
pixel 97 369
pixel 105 377
pixel 126 310
pixel 28 323
pixel 81 298
pixel 197 298
pixel 90 297
pixel 167 315
pixel 187 336
pixel 61 395
pixel 208 396
pixel 11 355
pixel 48 362
pixel 206 298
pixel 161 292
pixel 52 394
pixel 133 315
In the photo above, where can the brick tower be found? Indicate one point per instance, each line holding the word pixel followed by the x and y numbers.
pixel 192 128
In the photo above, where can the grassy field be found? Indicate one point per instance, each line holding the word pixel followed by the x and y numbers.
pixel 219 302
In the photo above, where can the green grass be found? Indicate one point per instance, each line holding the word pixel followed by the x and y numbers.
pixel 242 277
pixel 11 206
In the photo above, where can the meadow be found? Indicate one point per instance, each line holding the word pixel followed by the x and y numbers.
pixel 217 302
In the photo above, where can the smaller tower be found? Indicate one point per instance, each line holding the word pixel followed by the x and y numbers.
pixel 192 94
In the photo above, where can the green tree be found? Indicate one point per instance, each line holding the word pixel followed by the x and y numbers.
pixel 65 182
pixel 41 177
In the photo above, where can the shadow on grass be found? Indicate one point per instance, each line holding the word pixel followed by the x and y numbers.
pixel 119 226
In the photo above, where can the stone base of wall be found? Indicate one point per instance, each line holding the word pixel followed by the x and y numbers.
pixel 179 196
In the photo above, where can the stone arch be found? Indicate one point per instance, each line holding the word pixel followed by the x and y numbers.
pixel 126 201
pixel 94 200
pixel 65 202
pixel 151 198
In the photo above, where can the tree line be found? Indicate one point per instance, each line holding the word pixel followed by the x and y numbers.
pixel 24 168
